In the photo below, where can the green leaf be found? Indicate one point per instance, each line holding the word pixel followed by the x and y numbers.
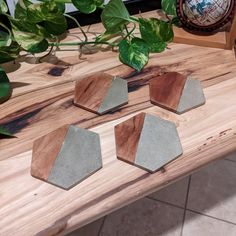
pixel 5 39
pixel 5 132
pixel 85 6
pixel 5 86
pixel 166 31
pixel 56 27
pixel 9 53
pixel 29 36
pixel 157 47
pixel 3 7
pixel 134 53
pixel 21 9
pixel 169 7
pixel 48 14
pixel 175 21
pixel 156 33
pixel 115 16
pixel 61 5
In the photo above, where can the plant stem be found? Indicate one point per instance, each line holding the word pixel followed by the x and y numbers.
pixel 129 33
pixel 81 43
pixel 133 18
pixel 78 24
pixel 6 28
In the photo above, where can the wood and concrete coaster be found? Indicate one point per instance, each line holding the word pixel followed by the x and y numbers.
pixel 101 93
pixel 147 141
pixel 66 156
pixel 176 92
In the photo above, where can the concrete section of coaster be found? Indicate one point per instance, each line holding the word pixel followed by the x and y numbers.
pixel 66 156
pixel 192 96
pixel 147 141
pixel 158 145
pixel 79 157
pixel 176 92
pixel 116 96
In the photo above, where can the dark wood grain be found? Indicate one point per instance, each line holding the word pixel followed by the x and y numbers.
pixel 166 90
pixel 91 90
pixel 127 136
pixel 45 151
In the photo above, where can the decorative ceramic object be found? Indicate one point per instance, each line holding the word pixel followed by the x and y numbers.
pixel 147 141
pixel 66 156
pixel 101 93
pixel 205 15
pixel 176 92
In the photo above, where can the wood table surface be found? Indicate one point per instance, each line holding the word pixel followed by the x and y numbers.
pixel 42 102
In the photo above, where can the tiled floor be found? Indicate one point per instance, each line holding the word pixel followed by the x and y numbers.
pixel 203 204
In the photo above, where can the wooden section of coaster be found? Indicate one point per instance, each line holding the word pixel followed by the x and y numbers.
pixel 89 93
pixel 176 92
pixel 66 156
pixel 147 141
pixel 101 93
pixel 45 151
pixel 127 136
pixel 166 90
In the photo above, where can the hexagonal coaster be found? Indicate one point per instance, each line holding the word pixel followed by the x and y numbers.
pixel 147 141
pixel 66 156
pixel 176 92
pixel 101 93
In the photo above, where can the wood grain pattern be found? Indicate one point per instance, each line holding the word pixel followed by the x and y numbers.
pixel 91 90
pixel 45 151
pixel 166 90
pixel 216 40
pixel 42 102
pixel 127 135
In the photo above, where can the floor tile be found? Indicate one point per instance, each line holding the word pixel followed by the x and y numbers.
pixel 145 217
pixel 213 190
pixel 231 157
pixel 199 225
pixel 174 193
pixel 91 229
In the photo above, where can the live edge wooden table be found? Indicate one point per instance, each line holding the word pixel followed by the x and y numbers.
pixel 42 102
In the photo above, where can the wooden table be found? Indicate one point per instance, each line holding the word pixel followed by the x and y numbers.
pixel 42 102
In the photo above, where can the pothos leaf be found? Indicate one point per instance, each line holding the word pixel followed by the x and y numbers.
pixel 21 9
pixel 115 16
pixel 169 7
pixel 9 53
pixel 5 132
pixel 61 5
pixel 5 39
pixel 87 6
pixel 30 37
pixel 5 86
pixel 156 33
pixel 56 27
pixel 134 53
pixel 48 14
pixel 3 7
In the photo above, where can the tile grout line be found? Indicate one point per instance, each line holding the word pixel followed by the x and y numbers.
pixel 194 211
pixel 101 226
pixel 185 206
pixel 229 160
pixel 215 218
pixel 167 203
